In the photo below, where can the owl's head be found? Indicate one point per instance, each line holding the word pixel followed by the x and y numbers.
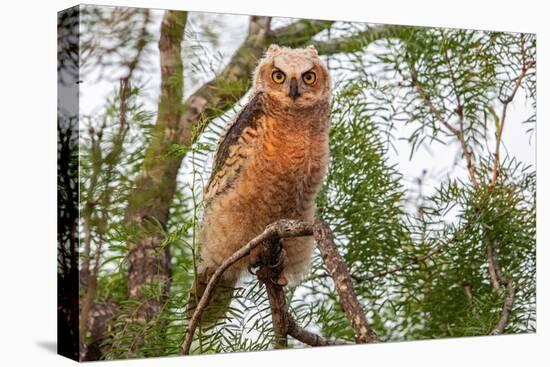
pixel 293 77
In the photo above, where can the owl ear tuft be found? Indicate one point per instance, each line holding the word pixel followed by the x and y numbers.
pixel 273 49
pixel 312 50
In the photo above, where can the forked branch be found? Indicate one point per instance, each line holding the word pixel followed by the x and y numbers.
pixel 269 272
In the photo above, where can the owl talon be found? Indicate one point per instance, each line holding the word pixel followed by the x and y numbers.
pixel 255 257
pixel 279 250
pixel 282 259
pixel 278 263
pixel 282 280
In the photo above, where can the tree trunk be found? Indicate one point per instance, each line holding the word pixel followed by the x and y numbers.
pixel 148 204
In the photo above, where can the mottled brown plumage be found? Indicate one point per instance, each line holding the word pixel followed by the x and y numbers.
pixel 269 165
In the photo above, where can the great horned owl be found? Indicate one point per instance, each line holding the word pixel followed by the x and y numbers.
pixel 269 165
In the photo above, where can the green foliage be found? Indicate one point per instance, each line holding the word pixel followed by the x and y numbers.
pixel 362 200
pixel 505 217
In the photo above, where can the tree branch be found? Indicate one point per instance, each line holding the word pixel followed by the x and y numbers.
pixel 98 319
pixel 272 262
pixel 89 275
pixel 307 337
pixel 469 296
pixel 420 89
pixel 140 44
pixel 494 271
pixel 506 309
pixel 459 133
pixel 495 274
pixel 277 230
pixel 269 275
pixel 344 286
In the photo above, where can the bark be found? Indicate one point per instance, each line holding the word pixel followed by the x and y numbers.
pixel 149 202
pixel 272 260
pixel 309 338
pixel 344 286
pixel 99 317
pixel 498 280
pixel 507 307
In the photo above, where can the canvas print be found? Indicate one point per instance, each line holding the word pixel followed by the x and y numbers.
pixel 231 183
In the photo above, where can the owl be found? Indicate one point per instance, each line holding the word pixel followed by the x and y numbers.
pixel 269 165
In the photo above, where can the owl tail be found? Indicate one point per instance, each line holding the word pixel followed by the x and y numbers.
pixel 219 298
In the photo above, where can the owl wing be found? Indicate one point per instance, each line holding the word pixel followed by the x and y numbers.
pixel 230 157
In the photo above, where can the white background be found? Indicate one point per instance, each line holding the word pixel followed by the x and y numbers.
pixel 28 182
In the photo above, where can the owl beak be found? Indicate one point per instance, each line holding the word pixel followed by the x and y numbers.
pixel 293 91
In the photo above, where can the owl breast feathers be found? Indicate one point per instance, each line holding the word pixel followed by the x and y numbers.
pixel 269 165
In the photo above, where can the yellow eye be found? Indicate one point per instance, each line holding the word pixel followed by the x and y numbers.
pixel 278 76
pixel 309 77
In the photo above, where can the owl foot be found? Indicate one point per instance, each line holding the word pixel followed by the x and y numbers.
pixel 282 260
pixel 255 257
pixel 279 267
pixel 282 280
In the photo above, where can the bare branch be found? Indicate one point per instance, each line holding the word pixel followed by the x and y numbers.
pixel 344 286
pixel 458 133
pixel 307 337
pixel 272 264
pixel 420 89
pixel 140 44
